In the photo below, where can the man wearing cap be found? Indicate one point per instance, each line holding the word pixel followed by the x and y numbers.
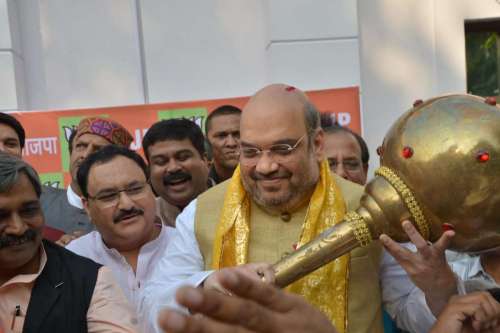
pixel 63 209
pixel 43 287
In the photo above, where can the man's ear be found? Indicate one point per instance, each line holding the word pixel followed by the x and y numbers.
pixel 85 202
pixel 319 144
pixel 365 169
pixel 205 159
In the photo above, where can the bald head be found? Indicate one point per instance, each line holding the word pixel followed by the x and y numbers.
pixel 284 101
pixel 280 120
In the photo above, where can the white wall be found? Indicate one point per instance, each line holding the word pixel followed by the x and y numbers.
pixel 450 39
pixel 114 52
pixel 71 54
pixel 412 49
pixel 11 80
pixel 204 49
pixel 313 47
pixel 397 62
pixel 81 53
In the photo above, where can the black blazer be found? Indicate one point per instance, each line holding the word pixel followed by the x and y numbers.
pixel 62 293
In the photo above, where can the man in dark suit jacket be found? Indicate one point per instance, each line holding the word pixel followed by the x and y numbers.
pixel 43 287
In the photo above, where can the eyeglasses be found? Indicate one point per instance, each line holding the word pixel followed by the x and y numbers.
pixel 278 151
pixel 349 165
pixel 111 198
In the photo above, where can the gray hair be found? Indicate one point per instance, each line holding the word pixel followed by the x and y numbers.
pixel 311 115
pixel 10 169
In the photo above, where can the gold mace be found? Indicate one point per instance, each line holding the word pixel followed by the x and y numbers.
pixel 440 169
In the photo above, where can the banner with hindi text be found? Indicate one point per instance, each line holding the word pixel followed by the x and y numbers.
pixel 47 132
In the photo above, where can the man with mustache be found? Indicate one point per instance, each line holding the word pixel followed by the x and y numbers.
pixel 223 135
pixel 346 151
pixel 63 208
pixel 178 165
pixel 130 238
pixel 280 197
pixel 43 287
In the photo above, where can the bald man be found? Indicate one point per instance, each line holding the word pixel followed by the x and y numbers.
pixel 280 197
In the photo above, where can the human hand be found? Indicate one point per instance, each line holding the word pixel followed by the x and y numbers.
pixel 254 307
pixel 68 238
pixel 427 267
pixel 255 271
pixel 475 312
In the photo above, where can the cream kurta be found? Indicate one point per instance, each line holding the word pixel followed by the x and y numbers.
pixel 271 238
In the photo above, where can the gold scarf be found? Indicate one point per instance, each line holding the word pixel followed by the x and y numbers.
pixel 325 288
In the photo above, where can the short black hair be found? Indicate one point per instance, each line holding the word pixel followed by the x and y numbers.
pixel 71 139
pixel 174 129
pixel 331 127
pixel 221 111
pixel 103 155
pixel 12 122
pixel 11 167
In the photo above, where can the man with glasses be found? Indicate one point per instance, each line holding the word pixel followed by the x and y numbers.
pixel 346 152
pixel 63 209
pixel 281 196
pixel 130 238
pixel 43 287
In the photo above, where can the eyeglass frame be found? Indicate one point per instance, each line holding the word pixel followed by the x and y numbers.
pixel 358 167
pixel 116 200
pixel 259 151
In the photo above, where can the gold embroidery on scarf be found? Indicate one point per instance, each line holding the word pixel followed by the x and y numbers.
pixel 327 287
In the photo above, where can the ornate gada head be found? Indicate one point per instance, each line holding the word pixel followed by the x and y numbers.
pixel 440 169
pixel 447 152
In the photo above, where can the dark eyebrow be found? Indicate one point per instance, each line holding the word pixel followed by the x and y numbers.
pixel 31 204
pixel 9 139
pixel 114 189
pixel 106 190
pixel 183 151
pixel 290 142
pixel 156 156
pixel 243 143
pixel 287 141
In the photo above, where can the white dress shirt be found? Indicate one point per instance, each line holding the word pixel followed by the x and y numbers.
pixel 472 276
pixel 73 198
pixel 92 246
pixel 183 264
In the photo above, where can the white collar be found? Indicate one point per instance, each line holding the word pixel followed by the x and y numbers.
pixel 73 198
pixel 152 245
pixel 476 268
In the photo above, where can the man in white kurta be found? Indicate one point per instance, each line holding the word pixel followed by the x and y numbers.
pixel 272 150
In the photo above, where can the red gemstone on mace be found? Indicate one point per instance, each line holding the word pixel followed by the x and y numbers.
pixel 294 246
pixel 290 88
pixel 380 150
pixel 407 152
pixel 447 226
pixel 417 103
pixel 483 156
pixel 492 100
